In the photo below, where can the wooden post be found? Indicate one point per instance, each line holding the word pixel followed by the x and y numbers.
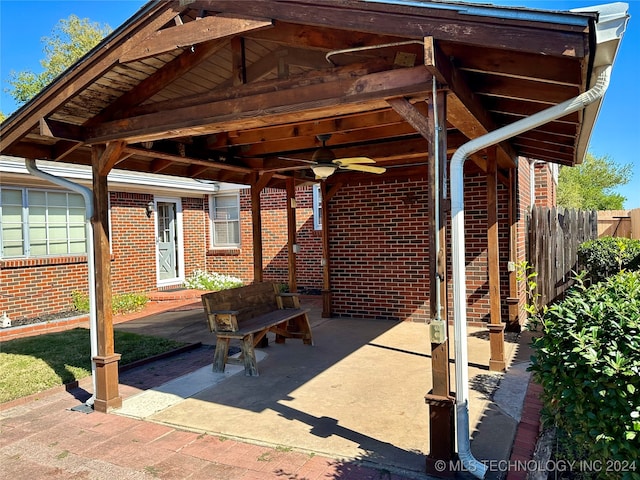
pixel 440 401
pixel 256 223
pixel 326 194
pixel 291 234
pixel 107 395
pixel 496 327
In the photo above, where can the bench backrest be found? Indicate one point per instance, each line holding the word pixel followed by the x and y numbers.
pixel 249 301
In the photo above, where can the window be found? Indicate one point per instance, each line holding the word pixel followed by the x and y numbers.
pixel 317 207
pixel 38 223
pixel 225 219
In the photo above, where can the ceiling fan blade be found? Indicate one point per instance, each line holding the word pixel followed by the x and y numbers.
pixel 303 160
pixel 364 168
pixel 352 160
pixel 284 169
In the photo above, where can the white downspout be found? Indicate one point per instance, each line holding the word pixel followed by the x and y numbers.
pixel 472 465
pixel 87 194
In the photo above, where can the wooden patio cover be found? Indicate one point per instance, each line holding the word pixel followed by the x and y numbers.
pixel 237 91
pixel 224 90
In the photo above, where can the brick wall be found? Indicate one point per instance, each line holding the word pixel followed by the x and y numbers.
pixel 239 262
pixel 475 202
pixel 379 263
pixel 523 209
pixel 379 259
pixel 133 263
pixel 545 185
pixel 195 223
pixel 378 241
pixel 35 287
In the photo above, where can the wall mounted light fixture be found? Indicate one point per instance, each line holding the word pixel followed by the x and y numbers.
pixel 150 208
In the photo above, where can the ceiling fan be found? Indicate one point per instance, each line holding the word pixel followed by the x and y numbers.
pixel 324 162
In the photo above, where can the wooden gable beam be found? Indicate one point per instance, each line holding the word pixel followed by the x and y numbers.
pixel 464 110
pixel 417 22
pixel 167 157
pixel 345 94
pixel 267 86
pixel 188 35
pixel 274 60
pixel 238 62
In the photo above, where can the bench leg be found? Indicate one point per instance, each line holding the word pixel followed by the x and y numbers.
pixel 220 354
pixel 305 328
pixel 249 356
pixel 281 338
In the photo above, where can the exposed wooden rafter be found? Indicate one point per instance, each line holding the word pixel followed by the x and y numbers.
pixel 188 35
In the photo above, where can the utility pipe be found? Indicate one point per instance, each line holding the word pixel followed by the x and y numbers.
pixel 87 194
pixel 436 194
pixel 472 465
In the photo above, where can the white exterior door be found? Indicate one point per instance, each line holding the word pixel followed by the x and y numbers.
pixel 169 252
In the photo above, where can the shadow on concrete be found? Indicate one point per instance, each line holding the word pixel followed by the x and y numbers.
pixel 357 395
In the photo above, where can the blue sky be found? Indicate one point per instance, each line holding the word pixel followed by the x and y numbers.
pixel 617 133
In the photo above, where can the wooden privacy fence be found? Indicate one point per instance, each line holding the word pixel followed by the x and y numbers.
pixel 554 237
pixel 619 223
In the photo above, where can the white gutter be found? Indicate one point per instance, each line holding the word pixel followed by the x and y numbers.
pixel 472 465
pixel 87 194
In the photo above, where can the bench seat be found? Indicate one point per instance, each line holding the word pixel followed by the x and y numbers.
pixel 248 314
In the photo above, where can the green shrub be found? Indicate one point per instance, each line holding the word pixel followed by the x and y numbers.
pixel 80 301
pixel 129 302
pixel 121 303
pixel 588 363
pixel 201 280
pixel 607 256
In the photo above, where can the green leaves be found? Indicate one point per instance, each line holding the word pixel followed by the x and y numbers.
pixel 591 185
pixel 70 39
pixel 588 363
pixel 607 256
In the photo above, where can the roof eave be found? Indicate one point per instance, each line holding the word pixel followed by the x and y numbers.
pixel 607 32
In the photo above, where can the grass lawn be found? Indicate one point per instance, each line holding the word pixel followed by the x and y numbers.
pixel 30 365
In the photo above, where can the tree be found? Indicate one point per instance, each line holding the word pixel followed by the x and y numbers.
pixel 70 39
pixel 591 185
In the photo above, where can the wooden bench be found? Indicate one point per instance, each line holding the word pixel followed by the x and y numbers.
pixel 247 314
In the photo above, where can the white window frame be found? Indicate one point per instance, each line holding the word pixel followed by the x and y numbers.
pixel 26 240
pixel 212 221
pixel 317 207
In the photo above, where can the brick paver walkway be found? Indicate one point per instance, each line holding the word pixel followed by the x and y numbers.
pixel 42 438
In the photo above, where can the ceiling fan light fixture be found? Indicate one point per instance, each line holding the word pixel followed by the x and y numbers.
pixel 323 170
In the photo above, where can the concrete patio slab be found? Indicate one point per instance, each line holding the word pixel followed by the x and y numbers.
pixel 154 400
pixel 356 395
